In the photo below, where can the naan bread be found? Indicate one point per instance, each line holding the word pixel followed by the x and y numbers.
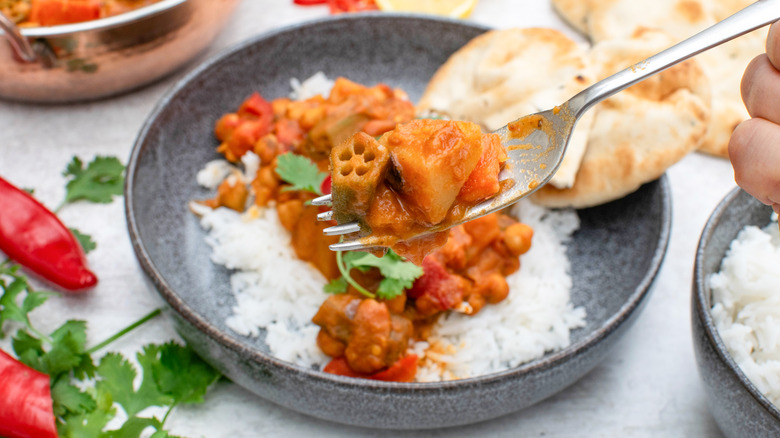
pixel 638 133
pixel 611 19
pixel 724 65
pixel 575 12
pixel 503 75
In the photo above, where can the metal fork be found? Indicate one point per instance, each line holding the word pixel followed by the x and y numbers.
pixel 536 152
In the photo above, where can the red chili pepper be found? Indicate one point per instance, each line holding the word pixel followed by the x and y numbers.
pixel 403 370
pixel 309 2
pixel 26 407
pixel 340 6
pixel 35 238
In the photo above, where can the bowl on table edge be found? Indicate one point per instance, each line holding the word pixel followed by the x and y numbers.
pixel 104 57
pixel 615 255
pixel 735 402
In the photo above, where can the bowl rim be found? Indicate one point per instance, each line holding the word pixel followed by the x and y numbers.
pixel 101 23
pixel 186 312
pixel 702 291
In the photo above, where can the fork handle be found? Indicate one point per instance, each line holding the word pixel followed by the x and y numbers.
pixel 756 15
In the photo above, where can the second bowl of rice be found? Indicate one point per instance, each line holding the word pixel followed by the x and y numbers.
pixel 736 316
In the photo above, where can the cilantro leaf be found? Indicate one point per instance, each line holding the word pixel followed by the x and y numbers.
pixel 9 308
pixel 117 375
pixel 69 399
pixel 27 346
pixel 182 374
pixel 133 427
pixel 67 351
pixel 85 240
pixel 87 425
pixel 301 172
pixel 99 182
pixel 398 273
pixel 336 286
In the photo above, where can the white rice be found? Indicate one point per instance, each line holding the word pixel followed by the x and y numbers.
pixel 746 305
pixel 316 84
pixel 279 293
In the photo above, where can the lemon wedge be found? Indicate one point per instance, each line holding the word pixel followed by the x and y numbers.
pixel 447 8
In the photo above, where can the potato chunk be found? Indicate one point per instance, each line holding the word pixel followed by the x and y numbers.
pixel 433 159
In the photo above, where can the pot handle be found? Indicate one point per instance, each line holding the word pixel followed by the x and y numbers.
pixel 18 42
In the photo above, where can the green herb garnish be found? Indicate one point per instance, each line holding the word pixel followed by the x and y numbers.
pixel 99 182
pixel 300 172
pixel 398 274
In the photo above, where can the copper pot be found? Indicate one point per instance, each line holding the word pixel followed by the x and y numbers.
pixel 103 57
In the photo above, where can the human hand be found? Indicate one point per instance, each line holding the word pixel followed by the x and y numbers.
pixel 754 148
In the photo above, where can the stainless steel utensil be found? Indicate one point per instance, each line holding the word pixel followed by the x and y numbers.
pixel 103 57
pixel 536 144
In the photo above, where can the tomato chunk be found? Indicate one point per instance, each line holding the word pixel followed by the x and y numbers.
pixel 56 12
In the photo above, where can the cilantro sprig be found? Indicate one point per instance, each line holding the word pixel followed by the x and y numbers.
pixel 87 395
pixel 101 180
pixel 398 274
pixel 300 172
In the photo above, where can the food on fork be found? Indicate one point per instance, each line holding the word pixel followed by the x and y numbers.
pixel 422 174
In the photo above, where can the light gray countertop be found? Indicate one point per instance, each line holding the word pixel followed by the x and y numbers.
pixel 647 387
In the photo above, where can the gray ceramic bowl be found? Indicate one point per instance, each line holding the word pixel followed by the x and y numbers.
pixel 615 255
pixel 737 405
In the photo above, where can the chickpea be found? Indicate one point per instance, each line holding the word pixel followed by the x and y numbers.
pixel 311 117
pixel 226 125
pixel 280 106
pixel 266 148
pixel 267 177
pixel 495 288
pixel 517 238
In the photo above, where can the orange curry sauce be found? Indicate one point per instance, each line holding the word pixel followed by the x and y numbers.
pixel 403 172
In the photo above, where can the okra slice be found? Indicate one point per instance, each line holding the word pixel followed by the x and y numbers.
pixel 359 166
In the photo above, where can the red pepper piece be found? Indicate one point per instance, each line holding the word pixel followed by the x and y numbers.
pixel 26 407
pixel 403 370
pixel 341 6
pixel 326 185
pixel 35 238
pixel 309 2
pixel 256 106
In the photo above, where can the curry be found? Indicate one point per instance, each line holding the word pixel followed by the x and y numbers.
pixel 395 171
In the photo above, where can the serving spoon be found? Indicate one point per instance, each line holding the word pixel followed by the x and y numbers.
pixel 535 144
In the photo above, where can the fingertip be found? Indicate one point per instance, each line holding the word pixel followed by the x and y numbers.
pixel 773 44
pixel 748 83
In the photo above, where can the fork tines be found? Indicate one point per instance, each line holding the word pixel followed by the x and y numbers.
pixel 322 200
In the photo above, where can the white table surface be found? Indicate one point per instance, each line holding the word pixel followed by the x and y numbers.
pixel 648 387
